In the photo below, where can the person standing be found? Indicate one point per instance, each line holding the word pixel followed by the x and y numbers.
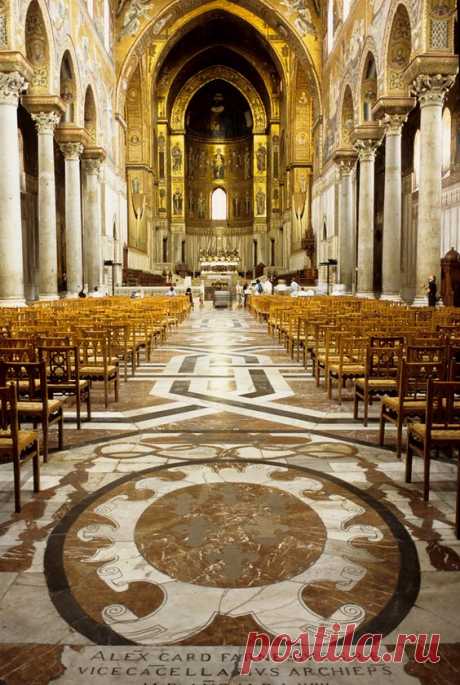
pixel 268 287
pixel 432 290
pixel 295 287
pixel 245 294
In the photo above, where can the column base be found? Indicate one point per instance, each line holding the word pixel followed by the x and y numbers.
pixel 70 296
pixel 13 303
pixel 391 297
pixel 366 295
pixel 48 298
pixel 420 301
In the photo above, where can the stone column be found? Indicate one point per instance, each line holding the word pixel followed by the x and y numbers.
pixel 345 161
pixel 431 91
pixel 93 230
pixel 74 264
pixel 392 218
pixel 12 84
pixel 45 123
pixel 366 155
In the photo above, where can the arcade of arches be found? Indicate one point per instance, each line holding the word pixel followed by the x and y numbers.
pixel 328 134
pixel 223 492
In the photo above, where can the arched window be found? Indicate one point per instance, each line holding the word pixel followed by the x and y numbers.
pixel 446 140
pixel 417 159
pixel 90 5
pixel 219 209
pixel 346 8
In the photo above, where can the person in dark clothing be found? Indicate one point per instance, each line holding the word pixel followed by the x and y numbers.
pixel 82 293
pixel 431 291
pixel 245 294
pixel 189 294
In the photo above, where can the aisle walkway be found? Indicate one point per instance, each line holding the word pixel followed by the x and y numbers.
pixel 224 494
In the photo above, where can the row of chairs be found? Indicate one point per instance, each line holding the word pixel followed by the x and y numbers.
pixel 45 366
pixel 408 358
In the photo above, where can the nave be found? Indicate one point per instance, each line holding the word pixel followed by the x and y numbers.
pixel 224 494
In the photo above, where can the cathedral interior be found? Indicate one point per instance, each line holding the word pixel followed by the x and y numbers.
pixel 229 342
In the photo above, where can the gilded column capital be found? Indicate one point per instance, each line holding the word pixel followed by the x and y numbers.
pixel 431 89
pixel 92 166
pixel 346 166
pixel 12 85
pixel 366 149
pixel 393 123
pixel 71 151
pixel 46 122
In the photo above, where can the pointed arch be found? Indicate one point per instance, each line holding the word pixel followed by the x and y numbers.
pixel 37 49
pixel 68 87
pixel 399 49
pixel 90 114
pixel 368 90
pixel 347 117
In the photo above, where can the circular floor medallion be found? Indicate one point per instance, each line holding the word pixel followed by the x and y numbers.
pixel 167 554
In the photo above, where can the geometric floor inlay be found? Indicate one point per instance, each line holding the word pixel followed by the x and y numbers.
pixel 161 555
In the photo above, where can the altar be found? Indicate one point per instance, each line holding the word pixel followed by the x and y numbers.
pixel 219 272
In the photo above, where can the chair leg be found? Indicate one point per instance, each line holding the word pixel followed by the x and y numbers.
pixel 78 407
pixel 409 458
pixel 382 428
pixel 399 430
pixel 116 389
pixel 426 471
pixel 88 405
pixel 61 431
pixel 106 392
pixel 355 405
pixel 17 485
pixel 45 440
pixel 36 467
pixel 366 408
pixel 457 508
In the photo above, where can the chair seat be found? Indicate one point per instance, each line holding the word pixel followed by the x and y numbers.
pixel 98 371
pixel 56 387
pixel 35 408
pixel 347 369
pixel 25 440
pixel 393 403
pixel 378 383
pixel 438 432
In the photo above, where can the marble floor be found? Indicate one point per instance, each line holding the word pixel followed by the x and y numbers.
pixel 223 494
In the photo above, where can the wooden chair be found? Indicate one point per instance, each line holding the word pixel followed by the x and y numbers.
pixel 350 364
pixel 123 346
pixel 95 363
pixel 17 446
pixel 411 398
pixel 380 378
pixel 33 404
pixel 63 376
pixel 441 430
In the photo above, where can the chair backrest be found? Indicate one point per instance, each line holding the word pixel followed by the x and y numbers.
pixel 29 378
pixel 414 377
pixel 386 341
pixel 383 362
pixel 17 354
pixel 18 342
pixel 426 353
pixel 62 363
pixel 440 406
pixel 9 413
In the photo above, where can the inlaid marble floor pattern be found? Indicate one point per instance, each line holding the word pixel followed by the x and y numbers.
pixel 223 494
